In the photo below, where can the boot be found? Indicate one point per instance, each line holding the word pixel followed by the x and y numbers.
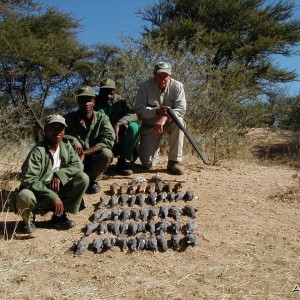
pixel 62 222
pixel 174 167
pixel 123 167
pixel 29 221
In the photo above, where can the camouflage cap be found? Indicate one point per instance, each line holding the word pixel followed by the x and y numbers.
pixel 163 67
pixel 107 84
pixel 55 119
pixel 86 91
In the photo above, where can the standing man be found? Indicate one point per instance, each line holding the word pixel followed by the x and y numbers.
pixel 91 135
pixel 154 96
pixel 124 121
pixel 52 178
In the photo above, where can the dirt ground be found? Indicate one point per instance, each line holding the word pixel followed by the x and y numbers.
pixel 248 224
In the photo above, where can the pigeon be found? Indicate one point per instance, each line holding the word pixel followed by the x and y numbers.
pixel 125 214
pixel 137 180
pixel 159 186
pixel 89 228
pixel 132 228
pixel 115 213
pixel 122 241
pixel 150 226
pixel 102 228
pixel 132 244
pixel 175 227
pixel 150 187
pixel 162 196
pixel 175 240
pixel 169 187
pixel 123 228
pixel 177 187
pixel 164 211
pixel 97 215
pixel 189 227
pixel 141 242
pixel 152 243
pixel 110 227
pixel 141 227
pixel 123 188
pixel 162 242
pixel 98 244
pixel 106 215
pixel 116 228
pixel 132 200
pixel 123 199
pixel 175 212
pixel 103 202
pixel 154 212
pixel 114 188
pixel 161 226
pixel 144 214
pixel 156 179
pixel 114 200
pixel 152 198
pixel 135 214
pixel 141 188
pixel 81 246
pixel 171 196
pixel 132 189
pixel 140 199
pixel 179 196
pixel 108 242
pixel 189 211
pixel 188 196
pixel 191 239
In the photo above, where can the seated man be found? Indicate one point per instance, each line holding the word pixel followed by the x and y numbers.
pixel 91 135
pixel 52 178
pixel 124 121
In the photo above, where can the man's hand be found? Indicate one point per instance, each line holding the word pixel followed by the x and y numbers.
pixel 162 111
pixel 78 148
pixel 55 183
pixel 58 207
pixel 159 125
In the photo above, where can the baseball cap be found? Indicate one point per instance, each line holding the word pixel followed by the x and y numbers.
pixel 107 84
pixel 86 91
pixel 163 67
pixel 55 119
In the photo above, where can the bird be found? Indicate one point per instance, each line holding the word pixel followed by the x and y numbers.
pixel 141 242
pixel 161 226
pixel 122 241
pixel 164 211
pixel 116 228
pixel 189 227
pixel 162 242
pixel 144 214
pixel 109 242
pixel 132 244
pixel 188 196
pixel 141 188
pixel 189 211
pixel 113 200
pixel 115 213
pixel 175 227
pixel 98 244
pixel 140 199
pixel 123 199
pixel 150 188
pixel 89 228
pixel 132 189
pixel 135 214
pixel 105 215
pixel 175 212
pixel 176 241
pixel 169 187
pixel 171 196
pixel 97 215
pixel 131 200
pixel 154 211
pixel 102 228
pixel 152 243
pixel 177 187
pixel 123 228
pixel 114 188
pixel 179 196
pixel 125 214
pixel 141 227
pixel 81 246
pixel 123 188
pixel 150 226
pixel 191 239
pixel 159 186
pixel 156 179
pixel 152 198
pixel 162 196
pixel 132 227
pixel 137 180
pixel 103 202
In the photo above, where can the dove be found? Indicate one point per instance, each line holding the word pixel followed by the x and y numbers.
pixel 98 244
pixel 175 212
pixel 123 199
pixel 123 228
pixel 97 215
pixel 132 200
pixel 141 227
pixel 102 228
pixel 152 243
pixel 132 189
pixel 188 196
pixel 115 213
pixel 108 242
pixel 105 215
pixel 122 241
pixel 116 228
pixel 140 199
pixel 103 202
pixel 179 196
pixel 162 196
pixel 175 227
pixel 89 228
pixel 114 188
pixel 135 214
pixel 132 244
pixel 191 239
pixel 177 187
pixel 137 180
pixel 141 242
pixel 81 246
pixel 144 214
pixel 141 188
pixel 161 226
pixel 159 186
pixel 164 211
pixel 189 227
pixel 152 198
pixel 175 240
pixel 150 226
pixel 169 187
pixel 113 200
pixel 162 242
pixel 156 179
pixel 154 212
pixel 189 211
pixel 123 188
pixel 125 214
pixel 150 187
pixel 132 228
pixel 171 196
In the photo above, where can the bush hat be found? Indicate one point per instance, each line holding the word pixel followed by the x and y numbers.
pixel 55 119
pixel 107 84
pixel 86 91
pixel 163 67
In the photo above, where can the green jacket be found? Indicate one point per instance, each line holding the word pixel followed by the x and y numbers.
pixel 100 133
pixel 39 162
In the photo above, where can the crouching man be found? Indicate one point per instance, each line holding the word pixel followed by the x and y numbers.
pixel 52 178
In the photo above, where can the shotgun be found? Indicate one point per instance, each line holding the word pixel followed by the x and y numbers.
pixel 177 122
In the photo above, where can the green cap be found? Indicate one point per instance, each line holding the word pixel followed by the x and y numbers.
pixel 107 84
pixel 86 91
pixel 55 119
pixel 163 67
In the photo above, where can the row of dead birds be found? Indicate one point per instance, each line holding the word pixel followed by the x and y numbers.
pixel 139 243
pixel 144 213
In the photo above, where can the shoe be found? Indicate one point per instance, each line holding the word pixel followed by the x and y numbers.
pixel 174 167
pixel 123 167
pixel 29 228
pixel 28 221
pixel 94 187
pixel 62 222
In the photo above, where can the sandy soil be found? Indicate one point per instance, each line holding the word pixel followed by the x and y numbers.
pixel 248 222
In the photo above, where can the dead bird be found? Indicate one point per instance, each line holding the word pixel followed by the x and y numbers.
pixel 96 215
pixel 189 211
pixel 102 228
pixel 152 243
pixel 135 214
pixel 140 199
pixel 152 198
pixel 177 187
pixel 125 214
pixel 123 188
pixel 105 215
pixel 109 242
pixel 190 239
pixel 141 188
pixel 114 227
pixel 162 242
pixel 150 187
pixel 175 227
pixel 89 228
pixel 188 196
pixel 162 196
pixel 175 241
pixel 123 199
pixel 150 226
pixel 114 200
pixel 81 246
pixel 141 242
pixel 154 212
pixel 123 228
pixel 114 187
pixel 98 244
pixel 144 214
pixel 189 227
pixel 132 228
pixel 179 196
pixel 132 200
pixel 137 180
pixel 132 244
pixel 169 187
pixel 103 202
pixel 122 241
pixel 141 227
pixel 161 226
pixel 164 211
pixel 175 212
pixel 159 186
pixel 156 179
pixel 171 196
pixel 131 190
pixel 115 213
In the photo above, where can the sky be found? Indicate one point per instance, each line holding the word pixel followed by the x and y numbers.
pixel 105 21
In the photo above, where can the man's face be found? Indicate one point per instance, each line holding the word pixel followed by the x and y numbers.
pixel 86 104
pixel 162 79
pixel 54 132
pixel 106 96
